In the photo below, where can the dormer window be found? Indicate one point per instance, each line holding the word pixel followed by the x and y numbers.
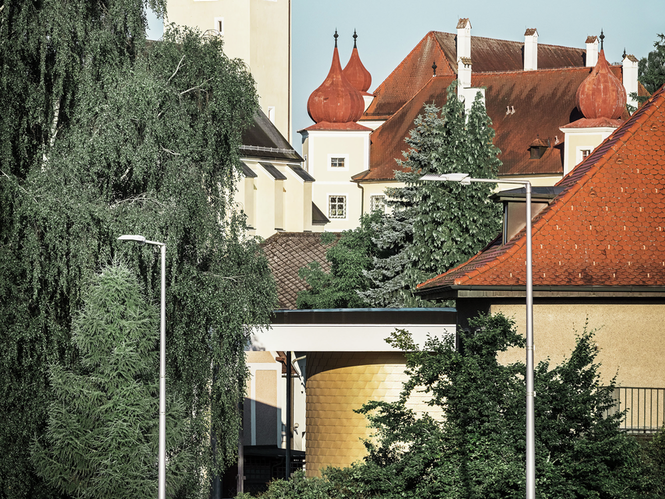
pixel 537 148
pixel 514 207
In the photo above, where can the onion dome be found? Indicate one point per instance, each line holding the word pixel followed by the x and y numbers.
pixel 601 94
pixel 336 100
pixel 355 72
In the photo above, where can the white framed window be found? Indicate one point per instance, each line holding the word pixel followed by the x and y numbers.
pixel 271 114
pixel 581 154
pixel 377 202
pixel 338 162
pixel 219 25
pixel 337 206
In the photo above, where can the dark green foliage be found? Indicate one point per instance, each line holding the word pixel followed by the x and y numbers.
pixel 437 225
pixel 653 453
pixel 348 258
pixel 102 437
pixel 477 450
pixel 651 69
pixel 101 135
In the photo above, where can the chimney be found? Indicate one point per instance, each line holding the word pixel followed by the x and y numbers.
pixel 591 51
pixel 463 73
pixel 629 71
pixel 463 38
pixel 531 49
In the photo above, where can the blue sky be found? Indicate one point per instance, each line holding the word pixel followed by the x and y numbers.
pixel 388 30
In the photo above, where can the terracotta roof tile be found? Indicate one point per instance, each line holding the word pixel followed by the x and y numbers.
pixel 521 104
pixel 287 253
pixel 604 229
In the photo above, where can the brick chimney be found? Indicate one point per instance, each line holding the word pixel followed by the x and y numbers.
pixel 531 49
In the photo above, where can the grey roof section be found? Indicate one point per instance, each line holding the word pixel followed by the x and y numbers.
pixel 272 170
pixel 318 218
pixel 302 173
pixel 263 140
pixel 520 193
pixel 247 171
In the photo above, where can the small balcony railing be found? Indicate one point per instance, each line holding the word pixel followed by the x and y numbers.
pixel 644 408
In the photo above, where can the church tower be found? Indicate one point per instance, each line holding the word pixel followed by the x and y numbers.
pixel 336 147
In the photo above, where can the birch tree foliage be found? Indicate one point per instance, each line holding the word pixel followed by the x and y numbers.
pixel 102 134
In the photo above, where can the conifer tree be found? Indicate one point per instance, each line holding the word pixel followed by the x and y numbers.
pixel 102 437
pixel 450 222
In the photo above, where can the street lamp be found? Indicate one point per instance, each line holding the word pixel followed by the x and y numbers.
pixel 466 179
pixel 162 364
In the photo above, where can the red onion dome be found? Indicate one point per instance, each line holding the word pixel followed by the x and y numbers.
pixel 601 94
pixel 355 71
pixel 336 100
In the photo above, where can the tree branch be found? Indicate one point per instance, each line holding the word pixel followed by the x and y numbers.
pixel 176 69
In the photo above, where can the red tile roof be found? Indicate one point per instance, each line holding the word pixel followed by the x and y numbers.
pixel 488 55
pixel 606 228
pixel 523 105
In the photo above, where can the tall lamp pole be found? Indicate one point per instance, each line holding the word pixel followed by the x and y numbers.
pixel 465 179
pixel 162 363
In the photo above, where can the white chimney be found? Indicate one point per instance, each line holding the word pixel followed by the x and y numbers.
pixel 463 38
pixel 531 49
pixel 591 51
pixel 629 71
pixel 463 73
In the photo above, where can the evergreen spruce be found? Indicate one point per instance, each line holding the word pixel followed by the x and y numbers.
pixel 103 424
pixel 441 224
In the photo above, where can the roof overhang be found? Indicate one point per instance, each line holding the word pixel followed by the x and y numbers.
pixel 351 330
pixel 544 292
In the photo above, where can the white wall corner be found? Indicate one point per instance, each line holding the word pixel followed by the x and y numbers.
pixel 629 71
pixel 463 38
pixel 591 51
pixel 531 49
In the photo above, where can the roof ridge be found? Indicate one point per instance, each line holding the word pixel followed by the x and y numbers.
pixel 512 41
pixel 429 33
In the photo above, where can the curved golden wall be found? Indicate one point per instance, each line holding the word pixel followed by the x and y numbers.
pixel 338 383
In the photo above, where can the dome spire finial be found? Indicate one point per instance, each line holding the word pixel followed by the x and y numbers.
pixel 355 37
pixel 336 36
pixel 434 68
pixel 602 38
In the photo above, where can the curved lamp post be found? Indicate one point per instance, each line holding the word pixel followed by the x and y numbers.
pixel 162 363
pixel 466 179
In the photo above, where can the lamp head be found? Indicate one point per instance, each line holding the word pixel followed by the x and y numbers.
pixel 463 178
pixel 138 239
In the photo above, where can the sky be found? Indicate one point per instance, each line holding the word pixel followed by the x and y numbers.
pixel 389 29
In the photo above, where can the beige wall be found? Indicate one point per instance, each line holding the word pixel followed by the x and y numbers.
pixel 630 338
pixel 318 148
pixel 581 138
pixel 259 33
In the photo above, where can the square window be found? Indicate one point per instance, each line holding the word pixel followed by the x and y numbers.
pixel 377 202
pixel 337 207
pixel 585 153
pixel 336 162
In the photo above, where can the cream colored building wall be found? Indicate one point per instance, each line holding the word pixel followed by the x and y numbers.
pixel 259 33
pixel 377 189
pixel 298 202
pixel 318 148
pixel 264 418
pixel 630 338
pixel 577 139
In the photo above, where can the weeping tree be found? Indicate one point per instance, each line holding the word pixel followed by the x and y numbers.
pixel 102 134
